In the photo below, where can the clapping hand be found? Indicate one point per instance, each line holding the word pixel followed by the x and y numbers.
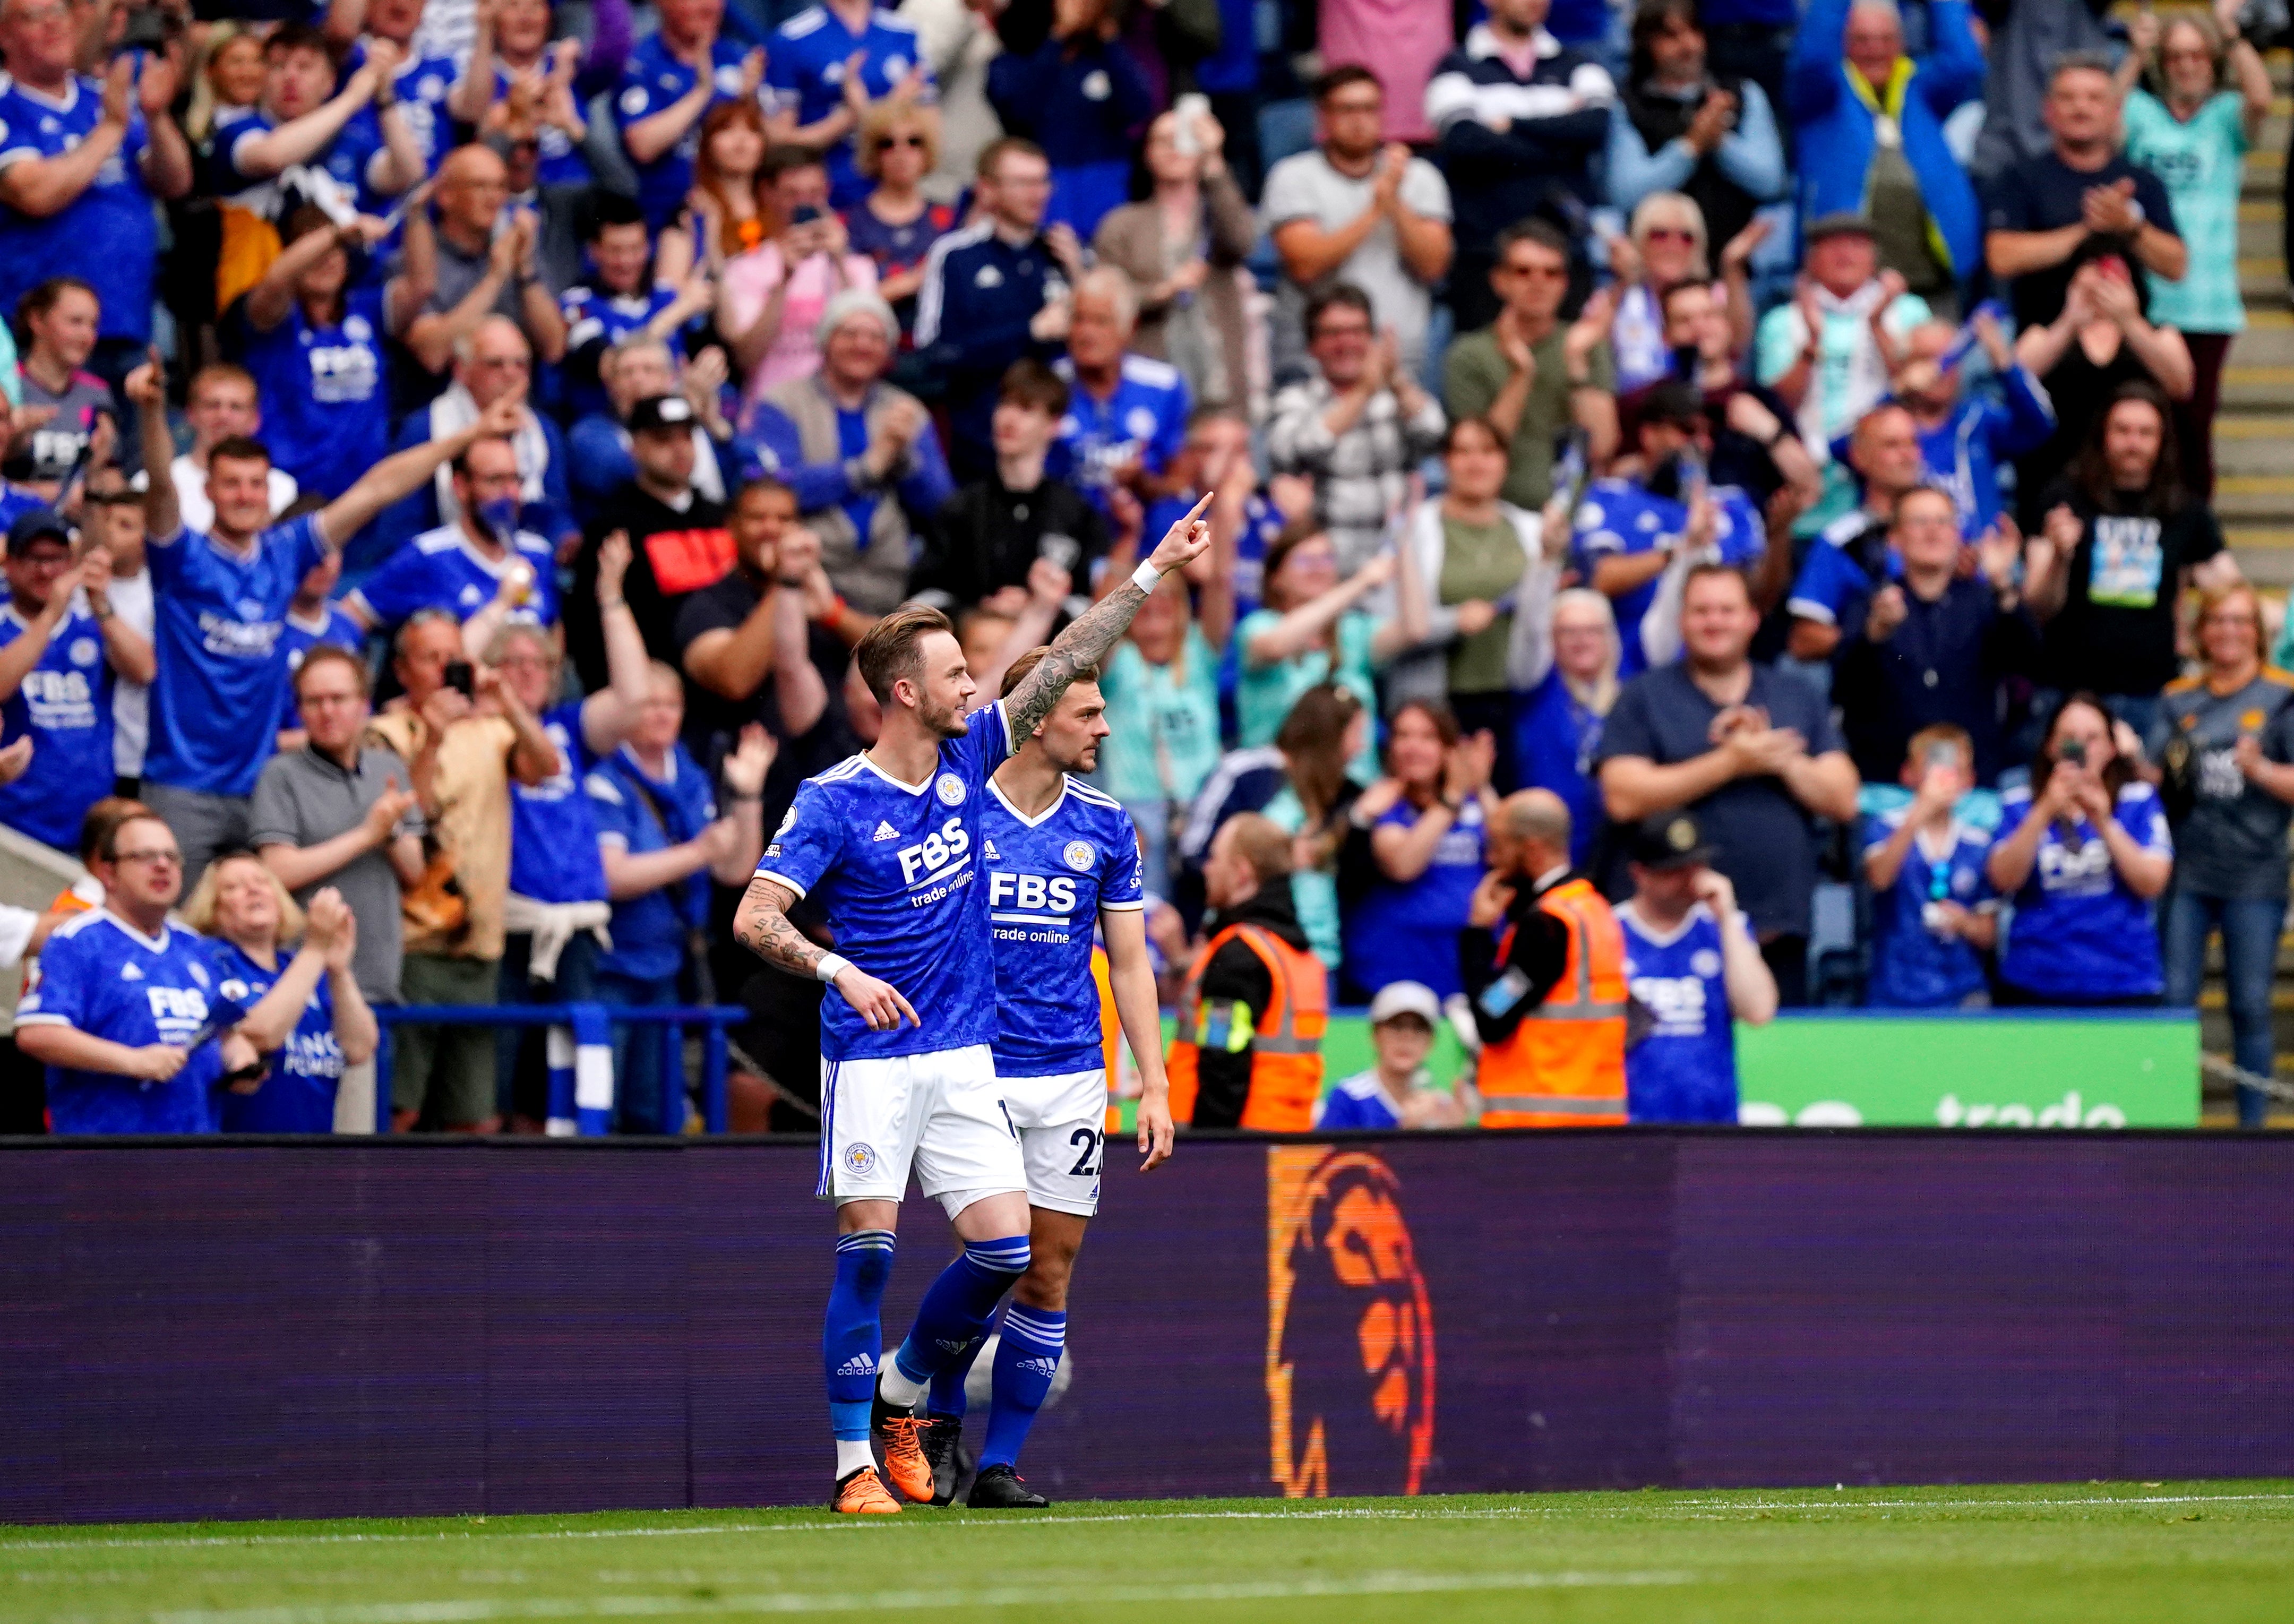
pixel 388 811
pixel 1998 550
pixel 1887 612
pixel 2109 211
pixel 751 759
pixel 15 758
pixel 612 566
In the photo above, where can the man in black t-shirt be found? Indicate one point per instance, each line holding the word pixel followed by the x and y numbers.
pixel 2049 214
pixel 744 644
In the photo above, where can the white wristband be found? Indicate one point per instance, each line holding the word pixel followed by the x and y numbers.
pixel 1147 577
pixel 831 966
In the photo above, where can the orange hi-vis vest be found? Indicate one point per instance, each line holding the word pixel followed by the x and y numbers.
pixel 1565 1065
pixel 1286 1045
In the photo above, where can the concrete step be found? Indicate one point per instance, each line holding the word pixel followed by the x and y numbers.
pixel 2264 552
pixel 2259 388
pixel 2253 447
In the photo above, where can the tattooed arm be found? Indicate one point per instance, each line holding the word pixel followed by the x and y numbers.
pixel 1091 634
pixel 762 927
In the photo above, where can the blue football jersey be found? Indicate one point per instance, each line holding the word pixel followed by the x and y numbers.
pixel 1832 587
pixel 560 162
pixel 65 703
pixel 1356 1104
pixel 325 413
pixel 2078 933
pixel 422 84
pixel 1685 1069
pixel 553 829
pixel 440 569
pixel 298 1095
pixel 99 975
pixel 804 66
pixel 1619 517
pixel 1047 880
pixel 595 316
pixel 334 629
pixel 106 235
pixel 222 689
pixel 894 866
pixel 1912 966
pixel 1144 419
pixel 654 81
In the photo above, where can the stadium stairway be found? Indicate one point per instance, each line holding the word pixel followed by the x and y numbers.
pixel 2254 436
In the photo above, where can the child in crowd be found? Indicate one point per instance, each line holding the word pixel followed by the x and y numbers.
pixel 1933 913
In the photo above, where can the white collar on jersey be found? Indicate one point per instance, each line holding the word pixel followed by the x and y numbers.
pixel 1058 802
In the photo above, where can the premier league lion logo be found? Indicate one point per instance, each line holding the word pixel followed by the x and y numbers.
pixel 1350 1368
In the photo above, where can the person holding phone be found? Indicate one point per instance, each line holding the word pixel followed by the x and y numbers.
pixel 771 299
pixel 2082 852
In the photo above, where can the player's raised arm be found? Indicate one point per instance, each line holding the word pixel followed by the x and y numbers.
pixel 1091 634
pixel 763 926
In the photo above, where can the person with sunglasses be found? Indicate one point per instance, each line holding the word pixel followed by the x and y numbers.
pixel 896 224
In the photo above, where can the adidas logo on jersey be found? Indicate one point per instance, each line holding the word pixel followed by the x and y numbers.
pixel 993 856
pixel 885 832
pixel 859 1364
pixel 128 972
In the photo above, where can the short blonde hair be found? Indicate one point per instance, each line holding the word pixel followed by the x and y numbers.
pixel 200 911
pixel 2213 597
pixel 886 114
pixel 1679 206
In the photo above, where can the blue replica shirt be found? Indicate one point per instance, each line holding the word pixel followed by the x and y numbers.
pixel 1914 967
pixel 422 84
pixel 655 80
pixel 594 316
pixel 1843 564
pixel 1356 1104
pixel 334 628
pixel 297 1093
pixel 64 704
pixel 1048 880
pixel 1145 420
pixel 1409 933
pixel 638 813
pixel 99 975
pixel 1619 516
pixel 222 691
pixel 343 161
pixel 553 825
pixel 804 65
pixel 443 569
pixel 2078 933
pixel 1963 454
pixel 894 864
pixel 322 393
pixel 1557 742
pixel 1685 1068
pixel 561 163
pixel 107 236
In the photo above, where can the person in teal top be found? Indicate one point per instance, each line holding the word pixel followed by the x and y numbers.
pixel 2195 141
pixel 1312 629
pixel 1161 688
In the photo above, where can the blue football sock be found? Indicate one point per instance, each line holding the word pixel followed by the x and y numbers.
pixel 852 1336
pixel 955 1310
pixel 1027 1358
pixel 947 1397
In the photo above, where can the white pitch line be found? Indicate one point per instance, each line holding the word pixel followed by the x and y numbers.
pixel 1430 1513
pixel 475 1611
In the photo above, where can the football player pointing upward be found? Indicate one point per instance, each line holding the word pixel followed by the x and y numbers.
pixel 889 843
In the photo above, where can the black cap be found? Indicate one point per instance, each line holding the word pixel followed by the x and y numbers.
pixel 672 411
pixel 1668 840
pixel 1674 401
pixel 1840 223
pixel 34 524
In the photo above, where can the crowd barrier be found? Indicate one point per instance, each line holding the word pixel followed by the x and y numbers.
pixel 394 1327
pixel 581 1056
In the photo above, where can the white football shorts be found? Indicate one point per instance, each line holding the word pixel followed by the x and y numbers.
pixel 1061 1138
pixel 941 1114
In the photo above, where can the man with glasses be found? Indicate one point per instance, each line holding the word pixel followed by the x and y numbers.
pixel 492 364
pixel 483 558
pixel 477 262
pixel 1358 209
pixel 59 658
pixel 1357 427
pixel 124 1009
pixel 340 812
pixel 996 293
pixel 1529 373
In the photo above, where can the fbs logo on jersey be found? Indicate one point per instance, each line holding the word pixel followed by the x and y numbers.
pixel 1349 1328
pixel 885 832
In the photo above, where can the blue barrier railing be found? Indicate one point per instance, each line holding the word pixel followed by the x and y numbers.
pixel 581 1089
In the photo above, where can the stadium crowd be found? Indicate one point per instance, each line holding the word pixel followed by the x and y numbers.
pixel 1746 461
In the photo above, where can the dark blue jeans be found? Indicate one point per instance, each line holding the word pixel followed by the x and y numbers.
pixel 2250 928
pixel 522 1066
pixel 641 1065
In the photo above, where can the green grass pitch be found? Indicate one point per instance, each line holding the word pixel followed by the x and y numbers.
pixel 2182 1552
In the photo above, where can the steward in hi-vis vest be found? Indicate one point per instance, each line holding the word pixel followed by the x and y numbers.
pixel 1544 962
pixel 1249 1049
